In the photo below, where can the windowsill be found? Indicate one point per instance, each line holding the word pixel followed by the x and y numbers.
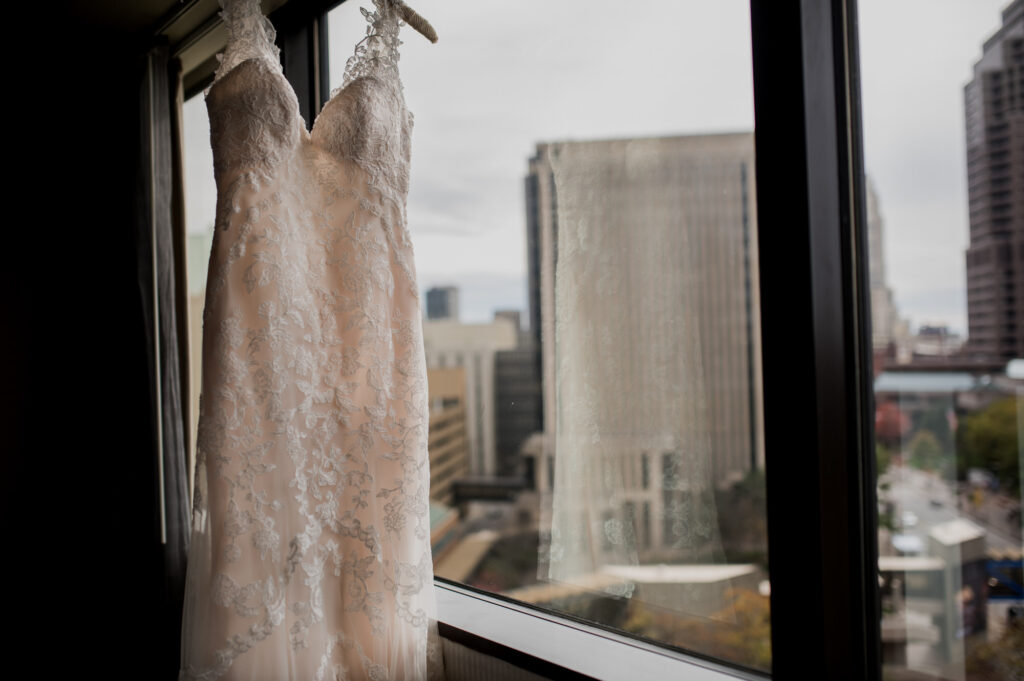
pixel 545 644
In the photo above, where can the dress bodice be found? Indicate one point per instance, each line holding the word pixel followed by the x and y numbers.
pixel 366 122
pixel 254 118
pixel 254 113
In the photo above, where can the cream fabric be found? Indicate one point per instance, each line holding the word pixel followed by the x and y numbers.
pixel 310 554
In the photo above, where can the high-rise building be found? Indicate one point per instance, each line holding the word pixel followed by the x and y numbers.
pixel 518 401
pixel 889 333
pixel 511 315
pixel 881 294
pixel 472 347
pixel 447 444
pixel 443 303
pixel 994 117
pixel 517 397
pixel 686 238
pixel 540 194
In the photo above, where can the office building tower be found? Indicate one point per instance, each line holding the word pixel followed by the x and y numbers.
pixel 518 401
pixel 517 397
pixel 472 347
pixel 994 118
pixel 685 237
pixel 447 444
pixel 890 334
pixel 443 303
pixel 511 315
pixel 884 318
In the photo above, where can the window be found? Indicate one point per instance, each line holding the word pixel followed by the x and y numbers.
pixel 949 398
pixel 676 375
pixel 200 210
pixel 786 415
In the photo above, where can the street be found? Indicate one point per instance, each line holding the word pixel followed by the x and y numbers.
pixel 935 501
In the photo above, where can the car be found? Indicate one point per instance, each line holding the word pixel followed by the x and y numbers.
pixel 908 544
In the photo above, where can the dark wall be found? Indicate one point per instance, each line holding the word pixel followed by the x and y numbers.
pixel 79 465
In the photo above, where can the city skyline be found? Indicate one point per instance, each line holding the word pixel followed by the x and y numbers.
pixel 994 105
pixel 706 469
pixel 914 144
pixel 466 202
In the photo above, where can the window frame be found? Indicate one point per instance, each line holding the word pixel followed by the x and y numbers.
pixel 816 358
pixel 557 646
pixel 816 340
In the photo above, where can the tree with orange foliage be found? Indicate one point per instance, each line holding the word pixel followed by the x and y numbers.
pixel 739 633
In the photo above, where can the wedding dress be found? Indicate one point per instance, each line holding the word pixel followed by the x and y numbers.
pixel 310 555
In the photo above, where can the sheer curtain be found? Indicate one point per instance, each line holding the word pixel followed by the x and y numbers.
pixel 159 279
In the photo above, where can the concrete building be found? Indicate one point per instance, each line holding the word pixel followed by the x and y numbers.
pixel 644 285
pixel 472 347
pixel 518 400
pixel 692 200
pixel 513 316
pixel 517 396
pixel 691 589
pixel 889 333
pixel 443 303
pixel 994 117
pixel 448 441
pixel 935 342
pixel 933 602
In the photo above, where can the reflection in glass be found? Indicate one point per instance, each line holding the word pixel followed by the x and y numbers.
pixel 651 355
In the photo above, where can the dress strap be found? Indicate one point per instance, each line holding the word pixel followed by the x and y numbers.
pixel 377 53
pixel 250 36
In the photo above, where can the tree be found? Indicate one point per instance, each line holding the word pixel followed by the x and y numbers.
pixel 891 423
pixel 989 440
pixel 882 458
pixel 925 451
pixel 935 420
pixel 740 632
pixel 998 660
pixel 742 520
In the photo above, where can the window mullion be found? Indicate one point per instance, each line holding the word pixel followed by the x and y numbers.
pixel 821 516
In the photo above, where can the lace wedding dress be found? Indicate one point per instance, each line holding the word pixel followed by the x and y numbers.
pixel 310 555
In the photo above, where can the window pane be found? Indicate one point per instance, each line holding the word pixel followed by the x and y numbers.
pixel 200 212
pixel 943 102
pixel 596 446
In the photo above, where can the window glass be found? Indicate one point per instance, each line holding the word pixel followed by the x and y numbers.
pixel 200 213
pixel 943 104
pixel 583 211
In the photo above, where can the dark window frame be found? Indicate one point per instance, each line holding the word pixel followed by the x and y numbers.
pixel 816 340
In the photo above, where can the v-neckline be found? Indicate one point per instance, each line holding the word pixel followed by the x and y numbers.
pixel 277 69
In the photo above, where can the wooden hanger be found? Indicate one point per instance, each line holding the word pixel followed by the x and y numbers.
pixel 411 17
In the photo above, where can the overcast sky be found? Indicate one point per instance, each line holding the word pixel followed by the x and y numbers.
pixel 506 75
pixel 916 56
